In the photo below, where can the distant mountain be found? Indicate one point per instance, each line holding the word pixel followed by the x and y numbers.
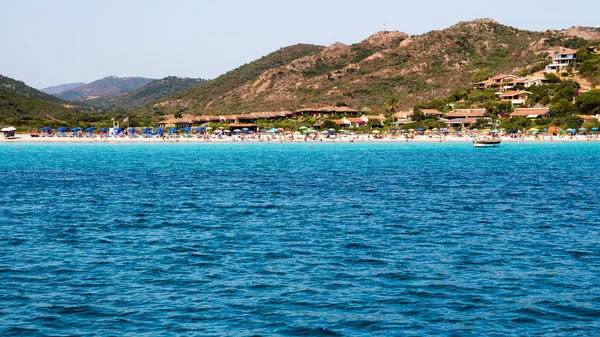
pixel 150 92
pixel 19 87
pixel 412 68
pixel 60 88
pixel 107 86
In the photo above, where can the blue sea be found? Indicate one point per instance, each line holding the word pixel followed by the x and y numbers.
pixel 299 239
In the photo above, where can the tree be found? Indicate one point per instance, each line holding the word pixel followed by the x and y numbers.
pixel 177 114
pixel 589 103
pixel 573 122
pixel 391 104
pixel 329 124
pixel 418 115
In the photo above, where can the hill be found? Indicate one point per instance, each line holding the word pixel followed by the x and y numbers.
pixel 149 92
pixel 107 86
pixel 412 68
pixel 19 87
pixel 24 106
pixel 201 96
pixel 60 88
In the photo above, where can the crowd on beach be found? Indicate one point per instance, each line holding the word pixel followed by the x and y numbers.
pixel 303 134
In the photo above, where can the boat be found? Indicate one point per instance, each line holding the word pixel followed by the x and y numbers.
pixel 486 142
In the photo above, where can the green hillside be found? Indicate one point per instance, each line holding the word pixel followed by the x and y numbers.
pixel 203 94
pixel 12 85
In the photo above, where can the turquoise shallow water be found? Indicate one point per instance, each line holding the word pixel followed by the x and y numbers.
pixel 333 239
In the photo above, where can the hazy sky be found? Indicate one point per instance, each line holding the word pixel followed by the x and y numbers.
pixel 51 42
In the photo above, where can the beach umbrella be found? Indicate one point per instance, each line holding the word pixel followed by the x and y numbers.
pixel 226 131
pixel 237 131
pixel 512 131
pixel 411 130
pixel 187 129
pixel 331 130
pixel 495 131
pixel 48 128
pixel 245 129
pixel 221 127
pixel 375 131
pixel 103 129
pixel 582 129
pixel 419 129
pixel 594 129
pixel 303 128
pixel 173 129
pixel 200 129
pixel 146 129
pixel 8 129
pixel 90 129
pixel 250 131
pixel 297 133
pixel 312 131
pixel 160 131
pixel 209 128
pixel 132 130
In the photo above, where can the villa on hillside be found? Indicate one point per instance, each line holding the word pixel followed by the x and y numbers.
pixel 176 122
pixel 495 81
pixel 532 113
pixel 515 97
pixel 462 118
pixel 561 60
pixel 526 82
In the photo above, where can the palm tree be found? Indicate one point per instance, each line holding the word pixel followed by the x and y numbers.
pixel 391 105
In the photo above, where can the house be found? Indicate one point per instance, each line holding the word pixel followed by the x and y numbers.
pixel 432 112
pixel 517 97
pixel 532 113
pixel 525 82
pixel 461 118
pixel 561 60
pixel 345 123
pixel 200 120
pixel 176 122
pixel 495 81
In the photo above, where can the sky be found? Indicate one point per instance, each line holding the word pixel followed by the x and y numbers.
pixel 51 42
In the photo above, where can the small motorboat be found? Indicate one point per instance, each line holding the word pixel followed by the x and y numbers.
pixel 486 142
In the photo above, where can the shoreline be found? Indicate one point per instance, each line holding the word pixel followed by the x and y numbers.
pixel 25 138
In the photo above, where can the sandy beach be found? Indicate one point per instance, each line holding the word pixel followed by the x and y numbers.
pixel 26 138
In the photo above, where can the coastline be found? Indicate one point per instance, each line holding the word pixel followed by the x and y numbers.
pixel 25 138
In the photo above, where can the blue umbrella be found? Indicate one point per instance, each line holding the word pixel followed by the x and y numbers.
pixel 173 129
pixel 75 129
pixel 103 129
pixel 245 129
pixel 200 129
pixel 48 128
pixel 160 131
pixel 187 129
pixel 594 129
pixel 250 131
pixel 146 129
pixel 419 129
pixel 62 129
pixel 90 129
pixel 117 130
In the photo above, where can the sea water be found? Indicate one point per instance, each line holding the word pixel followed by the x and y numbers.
pixel 299 239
